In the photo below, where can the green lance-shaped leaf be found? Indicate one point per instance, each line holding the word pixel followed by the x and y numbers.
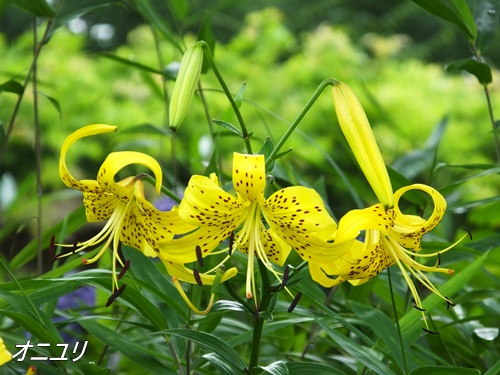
pixel 486 16
pixel 445 371
pixel 455 11
pixel 478 69
pixel 12 86
pixel 38 8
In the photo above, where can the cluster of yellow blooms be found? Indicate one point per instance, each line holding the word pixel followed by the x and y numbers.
pixel 266 229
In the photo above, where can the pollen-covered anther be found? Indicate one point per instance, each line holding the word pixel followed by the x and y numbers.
pixel 295 302
pixel 124 269
pixel 115 295
pixel 449 303
pixel 199 257
pixel 418 308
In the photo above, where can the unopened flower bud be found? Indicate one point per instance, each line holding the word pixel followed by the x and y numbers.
pixel 185 85
pixel 359 135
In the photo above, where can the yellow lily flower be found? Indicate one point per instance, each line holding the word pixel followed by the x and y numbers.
pixel 295 217
pixel 131 219
pixel 391 237
pixel 5 355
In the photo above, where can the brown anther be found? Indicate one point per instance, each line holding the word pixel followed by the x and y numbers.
pixel 198 255
pixel 231 243
pixel 468 232
pixel 52 247
pixel 449 303
pixel 115 295
pixel 286 273
pixel 124 269
pixel 197 277
pixel 439 260
pixel 295 302
pixel 430 332
pixel 418 308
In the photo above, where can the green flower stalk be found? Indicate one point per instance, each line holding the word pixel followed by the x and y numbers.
pixel 185 85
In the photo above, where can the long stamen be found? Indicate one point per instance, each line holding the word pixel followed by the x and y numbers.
pixel 438 252
pixel 186 299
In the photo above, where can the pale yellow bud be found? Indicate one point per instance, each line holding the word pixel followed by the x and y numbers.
pixel 359 135
pixel 185 85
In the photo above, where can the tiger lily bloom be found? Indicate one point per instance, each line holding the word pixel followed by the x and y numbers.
pixel 295 217
pixel 391 237
pixel 130 218
pixel 5 355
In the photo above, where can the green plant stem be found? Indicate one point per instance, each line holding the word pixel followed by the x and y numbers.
pixel 307 107
pixel 396 318
pixel 164 190
pixel 259 320
pixel 490 108
pixel 38 155
pixel 246 135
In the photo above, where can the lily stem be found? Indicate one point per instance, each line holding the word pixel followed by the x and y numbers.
pixel 396 318
pixel 244 131
pixel 307 107
pixel 259 320
pixel 164 190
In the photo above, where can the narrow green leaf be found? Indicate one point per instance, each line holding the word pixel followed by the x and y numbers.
pixel 452 186
pixel 276 368
pixel 229 127
pixel 52 101
pixel 136 352
pixel 212 343
pixel 137 65
pixel 179 8
pixel 38 8
pixel 494 370
pixel 222 367
pixel 478 69
pixel 12 86
pixel 239 96
pixel 301 368
pixel 382 326
pixel 465 15
pixel 411 327
pixel 486 15
pixel 455 14
pixel 445 371
pixel 266 150
pixel 357 351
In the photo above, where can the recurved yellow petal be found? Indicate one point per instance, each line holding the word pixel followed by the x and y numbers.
pixel 359 135
pixel 116 161
pixel 86 131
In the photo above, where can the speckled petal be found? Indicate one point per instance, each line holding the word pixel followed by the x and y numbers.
pixel 249 177
pixel 86 131
pixel 409 229
pixel 298 216
pixel 99 205
pixel 206 204
pixel 145 226
pixel 115 162
pixel 276 249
